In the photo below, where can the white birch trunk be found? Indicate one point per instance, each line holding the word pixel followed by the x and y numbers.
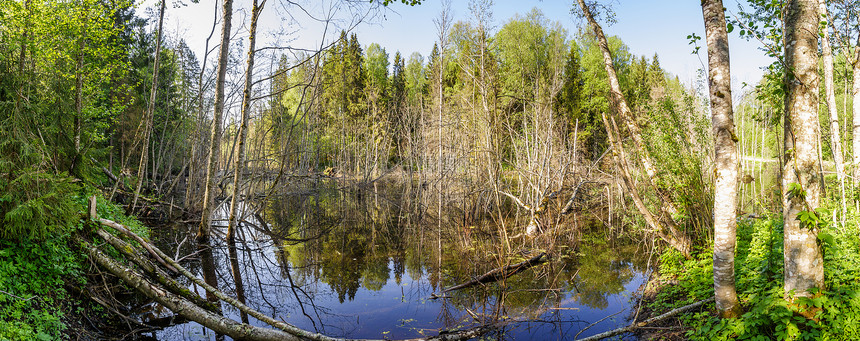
pixel 804 263
pixel 725 159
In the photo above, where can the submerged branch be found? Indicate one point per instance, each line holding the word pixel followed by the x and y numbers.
pixel 500 273
pixel 635 326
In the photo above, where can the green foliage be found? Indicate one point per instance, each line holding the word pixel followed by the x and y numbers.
pixel 694 277
pixel 666 111
pixel 33 203
pixel 758 272
pixel 36 205
pixel 35 272
pixel 33 275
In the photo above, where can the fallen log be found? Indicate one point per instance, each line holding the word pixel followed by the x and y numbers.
pixel 143 243
pixel 500 273
pixel 635 326
pixel 106 171
pixel 182 306
pixel 131 253
pixel 242 307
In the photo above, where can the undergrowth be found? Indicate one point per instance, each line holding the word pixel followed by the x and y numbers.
pixel 37 270
pixel 759 277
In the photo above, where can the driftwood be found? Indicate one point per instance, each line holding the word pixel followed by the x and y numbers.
pixel 500 273
pixel 638 325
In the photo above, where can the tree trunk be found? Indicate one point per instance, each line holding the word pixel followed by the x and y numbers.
pixel 855 109
pixel 182 306
pixel 619 103
pixel 835 135
pixel 150 111
pixel 215 136
pixel 725 159
pixel 657 226
pixel 240 157
pixel 22 61
pixel 191 188
pixel 804 263
pixel 79 91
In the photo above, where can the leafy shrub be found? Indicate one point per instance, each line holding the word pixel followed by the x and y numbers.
pixel 759 277
pixel 32 279
pixel 34 203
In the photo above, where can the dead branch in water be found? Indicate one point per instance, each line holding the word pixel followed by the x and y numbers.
pixel 635 326
pixel 179 304
pixel 500 273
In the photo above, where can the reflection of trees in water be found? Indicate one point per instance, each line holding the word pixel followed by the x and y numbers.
pixel 601 270
pixel 349 239
pixel 358 234
pixel 364 242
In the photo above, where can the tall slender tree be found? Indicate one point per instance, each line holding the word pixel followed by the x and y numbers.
pixel 674 235
pixel 801 190
pixel 725 158
pixel 830 100
pixel 217 117
pixel 148 116
pixel 239 168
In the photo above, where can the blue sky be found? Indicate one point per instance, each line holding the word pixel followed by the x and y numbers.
pixel 647 27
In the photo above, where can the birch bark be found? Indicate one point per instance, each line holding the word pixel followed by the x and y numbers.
pixel 804 263
pixel 725 158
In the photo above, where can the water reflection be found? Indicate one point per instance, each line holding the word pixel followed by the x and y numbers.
pixel 351 263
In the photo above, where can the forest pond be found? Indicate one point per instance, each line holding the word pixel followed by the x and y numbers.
pixel 353 264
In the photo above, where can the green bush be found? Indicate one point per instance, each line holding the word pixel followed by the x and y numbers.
pixel 33 277
pixel 759 276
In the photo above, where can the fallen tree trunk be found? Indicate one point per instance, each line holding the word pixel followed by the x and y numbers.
pixel 182 306
pixel 500 273
pixel 143 243
pixel 242 307
pixel 131 253
pixel 635 326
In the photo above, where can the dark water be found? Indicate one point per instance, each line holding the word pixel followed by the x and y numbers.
pixel 355 265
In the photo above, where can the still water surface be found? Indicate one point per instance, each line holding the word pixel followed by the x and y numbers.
pixel 353 265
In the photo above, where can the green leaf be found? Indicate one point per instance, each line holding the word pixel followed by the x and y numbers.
pixel 729 27
pixel 826 238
